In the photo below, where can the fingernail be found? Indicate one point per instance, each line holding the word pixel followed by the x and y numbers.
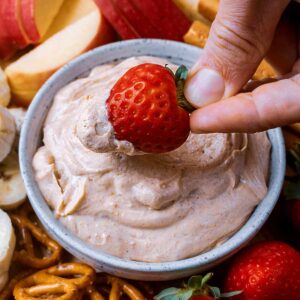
pixel 205 87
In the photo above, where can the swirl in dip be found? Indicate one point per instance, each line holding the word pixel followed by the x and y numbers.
pixel 137 206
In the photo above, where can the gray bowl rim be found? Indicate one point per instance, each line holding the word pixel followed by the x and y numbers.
pixel 73 243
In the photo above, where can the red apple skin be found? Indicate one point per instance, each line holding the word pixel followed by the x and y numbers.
pixel 117 20
pixel 137 19
pixel 11 18
pixel 7 46
pixel 105 35
pixel 167 17
pixel 28 18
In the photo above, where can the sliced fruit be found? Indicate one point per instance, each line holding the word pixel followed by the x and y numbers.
pixel 137 19
pixel 117 20
pixel 166 17
pixel 4 89
pixel 7 46
pixel 12 188
pixel 70 12
pixel 27 74
pixel 37 16
pixel 19 116
pixel 7 132
pixel 13 23
pixel 7 246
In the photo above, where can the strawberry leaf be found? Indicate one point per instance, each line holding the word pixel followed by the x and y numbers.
pixel 174 294
pixel 181 73
pixel 195 282
pixel 206 278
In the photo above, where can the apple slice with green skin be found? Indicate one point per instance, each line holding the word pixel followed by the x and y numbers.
pixel 10 13
pixel 70 12
pixel 117 20
pixel 167 17
pixel 137 19
pixel 37 16
pixel 27 74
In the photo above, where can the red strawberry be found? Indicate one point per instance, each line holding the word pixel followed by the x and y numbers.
pixel 143 108
pixel 293 210
pixel 266 271
pixel 195 289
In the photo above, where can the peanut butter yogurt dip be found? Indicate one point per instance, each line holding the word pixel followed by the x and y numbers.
pixel 137 206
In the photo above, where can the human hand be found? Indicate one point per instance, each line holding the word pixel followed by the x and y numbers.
pixel 243 33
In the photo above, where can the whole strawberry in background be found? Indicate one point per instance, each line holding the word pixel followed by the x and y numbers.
pixel 266 271
pixel 147 107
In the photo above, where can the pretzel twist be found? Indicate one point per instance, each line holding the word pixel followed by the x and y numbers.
pixel 26 256
pixel 118 288
pixel 83 275
pixel 41 285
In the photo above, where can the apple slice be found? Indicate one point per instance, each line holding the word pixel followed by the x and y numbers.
pixel 168 19
pixel 117 20
pixel 7 45
pixel 37 16
pixel 137 19
pixel 28 73
pixel 10 13
pixel 70 12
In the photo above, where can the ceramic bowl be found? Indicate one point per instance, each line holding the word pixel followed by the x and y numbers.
pixel 178 53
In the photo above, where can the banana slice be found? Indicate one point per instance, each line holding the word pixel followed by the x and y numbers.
pixel 7 246
pixel 4 89
pixel 7 132
pixel 12 190
pixel 19 116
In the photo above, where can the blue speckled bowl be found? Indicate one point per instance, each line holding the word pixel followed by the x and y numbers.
pixel 31 138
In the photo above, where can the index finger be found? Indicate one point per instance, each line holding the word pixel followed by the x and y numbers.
pixel 271 105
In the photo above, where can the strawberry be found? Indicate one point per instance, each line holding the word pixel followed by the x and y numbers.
pixel 195 289
pixel 146 107
pixel 266 271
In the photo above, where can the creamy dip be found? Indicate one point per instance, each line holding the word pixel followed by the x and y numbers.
pixel 138 206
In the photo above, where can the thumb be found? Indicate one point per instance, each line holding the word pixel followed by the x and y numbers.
pixel 268 106
pixel 239 39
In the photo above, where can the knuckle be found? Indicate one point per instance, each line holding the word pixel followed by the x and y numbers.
pixel 240 39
